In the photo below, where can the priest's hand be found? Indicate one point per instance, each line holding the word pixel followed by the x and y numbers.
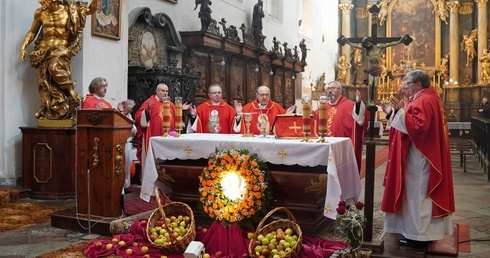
pixel 192 111
pixel 148 107
pixel 186 106
pixel 238 107
pixel 358 96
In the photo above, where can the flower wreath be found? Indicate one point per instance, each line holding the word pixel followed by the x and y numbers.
pixel 234 187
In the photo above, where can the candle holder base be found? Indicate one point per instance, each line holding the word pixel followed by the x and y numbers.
pixel 165 132
pixel 178 133
pixel 322 138
pixel 306 138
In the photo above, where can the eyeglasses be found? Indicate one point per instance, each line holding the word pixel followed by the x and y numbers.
pixel 332 88
pixel 410 83
pixel 264 95
pixel 216 93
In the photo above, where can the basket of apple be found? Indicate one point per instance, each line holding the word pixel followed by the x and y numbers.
pixel 280 238
pixel 171 226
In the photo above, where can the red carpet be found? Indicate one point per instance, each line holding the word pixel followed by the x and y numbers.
pixel 380 158
pixel 133 204
pixel 464 238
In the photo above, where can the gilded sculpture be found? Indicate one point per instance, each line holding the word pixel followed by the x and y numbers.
pixel 58 26
pixel 441 10
pixel 343 67
pixel 468 46
pixel 485 66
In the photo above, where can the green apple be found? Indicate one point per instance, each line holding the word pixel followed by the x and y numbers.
pixel 144 249
pixel 250 235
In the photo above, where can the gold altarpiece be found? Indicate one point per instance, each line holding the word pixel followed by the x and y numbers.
pixel 433 25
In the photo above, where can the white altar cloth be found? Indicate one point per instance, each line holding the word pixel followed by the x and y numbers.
pixel 338 155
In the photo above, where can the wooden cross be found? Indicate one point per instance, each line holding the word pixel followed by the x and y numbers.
pixel 373 46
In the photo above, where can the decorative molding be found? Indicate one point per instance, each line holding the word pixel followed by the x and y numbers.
pixel 361 12
pixel 346 8
pixel 466 8
pixel 453 6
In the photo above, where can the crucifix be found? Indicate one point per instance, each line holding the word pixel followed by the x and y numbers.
pixel 374 47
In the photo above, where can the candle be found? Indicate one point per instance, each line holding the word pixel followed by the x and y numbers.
pixel 306 116
pixel 166 114
pixel 322 117
pixel 178 113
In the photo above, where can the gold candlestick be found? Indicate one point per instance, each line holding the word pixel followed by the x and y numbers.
pixel 179 125
pixel 166 116
pixel 322 119
pixel 306 118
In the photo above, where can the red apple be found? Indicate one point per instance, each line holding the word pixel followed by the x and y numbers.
pixel 218 254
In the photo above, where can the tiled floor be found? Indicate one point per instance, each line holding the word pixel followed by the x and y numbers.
pixel 472 192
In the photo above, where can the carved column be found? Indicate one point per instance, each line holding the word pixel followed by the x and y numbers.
pixel 453 40
pixel 482 30
pixel 346 31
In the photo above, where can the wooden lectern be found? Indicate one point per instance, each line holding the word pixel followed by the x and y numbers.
pixel 101 137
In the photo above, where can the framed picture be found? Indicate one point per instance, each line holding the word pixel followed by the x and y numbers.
pixel 106 21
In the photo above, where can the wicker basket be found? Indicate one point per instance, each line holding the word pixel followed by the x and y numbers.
pixel 169 208
pixel 289 222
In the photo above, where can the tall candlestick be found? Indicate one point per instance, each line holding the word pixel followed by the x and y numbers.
pixel 178 114
pixel 166 115
pixel 306 117
pixel 322 117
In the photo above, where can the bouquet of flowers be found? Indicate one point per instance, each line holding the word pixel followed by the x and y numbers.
pixel 351 222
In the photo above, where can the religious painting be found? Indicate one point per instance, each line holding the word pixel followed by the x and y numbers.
pixel 416 19
pixel 106 22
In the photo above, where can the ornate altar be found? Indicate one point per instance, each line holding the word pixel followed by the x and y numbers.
pixel 449 41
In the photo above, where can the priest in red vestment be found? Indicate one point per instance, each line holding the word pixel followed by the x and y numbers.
pixel 418 198
pixel 263 111
pixel 214 115
pixel 345 118
pixel 97 91
pixel 149 120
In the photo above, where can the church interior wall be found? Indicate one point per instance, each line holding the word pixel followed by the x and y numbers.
pixel 108 58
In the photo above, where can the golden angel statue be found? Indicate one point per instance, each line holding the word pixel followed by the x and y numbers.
pixel 58 26
pixel 343 67
pixel 443 67
pixel 468 45
pixel 441 10
pixel 383 11
pixel 357 58
pixel 485 66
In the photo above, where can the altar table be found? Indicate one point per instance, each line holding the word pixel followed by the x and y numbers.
pixel 335 157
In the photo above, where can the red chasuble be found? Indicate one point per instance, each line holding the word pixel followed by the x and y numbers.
pixel 155 127
pixel 340 123
pixel 92 102
pixel 215 118
pixel 427 129
pixel 271 111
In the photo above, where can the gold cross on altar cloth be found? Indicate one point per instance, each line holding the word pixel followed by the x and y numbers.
pixel 282 153
pixel 295 127
pixel 188 149
pixel 329 209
